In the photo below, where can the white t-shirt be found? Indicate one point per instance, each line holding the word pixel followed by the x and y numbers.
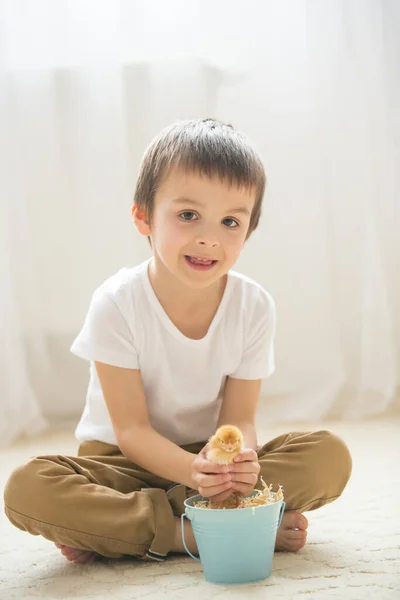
pixel 183 379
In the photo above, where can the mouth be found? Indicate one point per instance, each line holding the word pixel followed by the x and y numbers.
pixel 200 263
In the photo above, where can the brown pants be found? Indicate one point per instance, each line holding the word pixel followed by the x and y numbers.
pixel 102 501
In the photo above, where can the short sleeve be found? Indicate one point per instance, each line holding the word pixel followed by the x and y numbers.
pixel 258 355
pixel 106 336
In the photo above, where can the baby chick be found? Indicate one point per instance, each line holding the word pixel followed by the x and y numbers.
pixel 225 444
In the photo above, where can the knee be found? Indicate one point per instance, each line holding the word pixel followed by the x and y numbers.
pixel 21 488
pixel 333 460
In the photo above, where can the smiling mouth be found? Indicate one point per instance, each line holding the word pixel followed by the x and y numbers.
pixel 200 262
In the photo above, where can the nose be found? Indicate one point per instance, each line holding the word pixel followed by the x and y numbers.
pixel 207 239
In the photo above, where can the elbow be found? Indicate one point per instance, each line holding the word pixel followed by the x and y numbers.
pixel 131 439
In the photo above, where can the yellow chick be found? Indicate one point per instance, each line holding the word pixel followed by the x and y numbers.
pixel 225 444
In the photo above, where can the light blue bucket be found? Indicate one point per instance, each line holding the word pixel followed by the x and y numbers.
pixel 235 545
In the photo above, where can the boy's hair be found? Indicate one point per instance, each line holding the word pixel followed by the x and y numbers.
pixel 207 147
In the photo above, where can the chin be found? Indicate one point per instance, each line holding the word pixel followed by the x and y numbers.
pixel 200 281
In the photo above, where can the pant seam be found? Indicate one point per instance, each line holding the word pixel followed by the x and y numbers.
pixel 141 548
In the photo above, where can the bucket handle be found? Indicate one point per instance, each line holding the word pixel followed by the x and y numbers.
pixel 183 538
pixel 281 513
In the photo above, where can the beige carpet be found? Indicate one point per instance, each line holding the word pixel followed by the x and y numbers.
pixel 353 548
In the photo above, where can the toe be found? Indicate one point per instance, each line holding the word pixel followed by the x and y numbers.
pixel 77 555
pixel 71 556
pixel 295 534
pixel 290 540
pixel 302 522
pixel 295 545
pixel 290 519
pixel 292 546
pixel 71 553
pixel 295 540
pixel 294 519
pixel 84 558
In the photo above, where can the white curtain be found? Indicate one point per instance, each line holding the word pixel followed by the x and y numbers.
pixel 84 85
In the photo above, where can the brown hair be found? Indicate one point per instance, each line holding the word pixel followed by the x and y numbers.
pixel 205 146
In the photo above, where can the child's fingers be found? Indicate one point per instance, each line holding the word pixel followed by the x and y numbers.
pixel 246 454
pixel 210 492
pixel 245 467
pixel 246 478
pixel 206 466
pixel 206 481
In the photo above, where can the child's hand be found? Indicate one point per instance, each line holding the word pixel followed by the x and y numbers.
pixel 244 471
pixel 211 480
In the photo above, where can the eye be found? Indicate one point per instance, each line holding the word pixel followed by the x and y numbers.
pixel 231 223
pixel 188 215
pixel 222 442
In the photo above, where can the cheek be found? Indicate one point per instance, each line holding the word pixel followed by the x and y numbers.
pixel 169 231
pixel 234 244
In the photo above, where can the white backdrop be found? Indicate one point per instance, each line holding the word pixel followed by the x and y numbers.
pixel 316 84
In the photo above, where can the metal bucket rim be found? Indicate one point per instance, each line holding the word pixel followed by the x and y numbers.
pixel 219 510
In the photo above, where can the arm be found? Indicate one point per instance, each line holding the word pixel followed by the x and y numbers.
pixel 124 396
pixel 125 399
pixel 239 406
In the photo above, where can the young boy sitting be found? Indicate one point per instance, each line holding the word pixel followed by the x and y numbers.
pixel 177 346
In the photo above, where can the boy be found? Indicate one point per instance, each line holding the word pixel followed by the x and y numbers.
pixel 178 346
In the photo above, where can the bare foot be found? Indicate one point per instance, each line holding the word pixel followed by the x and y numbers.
pixel 76 555
pixel 292 533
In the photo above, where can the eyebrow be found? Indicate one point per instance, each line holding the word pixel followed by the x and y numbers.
pixel 241 209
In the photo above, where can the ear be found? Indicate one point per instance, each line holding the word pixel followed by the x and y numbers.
pixel 140 220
